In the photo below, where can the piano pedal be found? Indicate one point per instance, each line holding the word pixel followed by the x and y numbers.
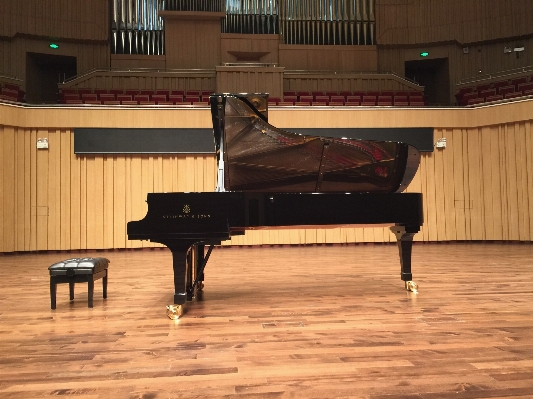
pixel 411 286
pixel 174 312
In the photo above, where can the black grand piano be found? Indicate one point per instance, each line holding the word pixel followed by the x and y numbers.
pixel 271 178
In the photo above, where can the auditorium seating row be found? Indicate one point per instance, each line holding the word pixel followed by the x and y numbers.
pixel 11 92
pixel 495 91
pixel 134 97
pixel 201 97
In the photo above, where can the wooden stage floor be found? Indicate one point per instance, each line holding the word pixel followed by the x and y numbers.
pixel 277 322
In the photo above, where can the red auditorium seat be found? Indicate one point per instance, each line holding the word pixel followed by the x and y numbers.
pixel 289 93
pixel 162 92
pixel 331 93
pixel 285 103
pixel 513 95
pixel 467 97
pixel 353 103
pixel 107 97
pixel 345 93
pixel 319 103
pixel 475 101
pixel 146 92
pixel 487 93
pixel 111 102
pixel 303 93
pixel 302 103
pixel 141 97
pixel 177 93
pixel 528 92
pixel 369 100
pixel 352 99
pixel 123 97
pixel 274 100
pixel 93 102
pixel 493 98
pixel 401 93
pixel 307 99
pixel 129 102
pixel 338 99
pixel 116 91
pixel 322 99
pixel 336 103
pixel 99 92
pixel 73 102
pixel 71 96
pixel 317 94
pixel 292 99
pixel 84 91
pixel 158 98
pixel 147 103
pixel 373 93
pixel 384 101
pixel 387 93
pixel 505 90
pixel 525 86
pixel 89 97
pixel 497 85
pixel 165 103
pixel 189 98
pixel 192 93
pixel 131 92
pixel 176 98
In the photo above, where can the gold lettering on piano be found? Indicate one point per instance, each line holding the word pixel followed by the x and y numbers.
pixel 187 214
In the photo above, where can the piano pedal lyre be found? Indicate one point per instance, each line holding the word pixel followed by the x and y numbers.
pixel 411 286
pixel 174 312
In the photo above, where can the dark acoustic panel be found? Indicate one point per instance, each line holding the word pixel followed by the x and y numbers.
pixel 419 137
pixel 143 141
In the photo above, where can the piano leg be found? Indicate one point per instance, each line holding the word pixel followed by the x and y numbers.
pixel 404 236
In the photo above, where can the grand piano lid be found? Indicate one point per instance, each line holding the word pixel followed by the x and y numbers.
pixel 256 156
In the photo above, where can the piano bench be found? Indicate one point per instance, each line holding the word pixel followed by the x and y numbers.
pixel 78 270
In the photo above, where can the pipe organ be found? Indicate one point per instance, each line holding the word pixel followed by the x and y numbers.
pixel 136 27
pixel 333 22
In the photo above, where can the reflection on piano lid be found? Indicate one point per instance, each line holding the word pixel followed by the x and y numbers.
pixel 256 156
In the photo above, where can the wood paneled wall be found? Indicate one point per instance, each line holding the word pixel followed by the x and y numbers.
pixel 478 188
pixel 68 19
pixel 328 58
pixel 401 22
pixel 192 39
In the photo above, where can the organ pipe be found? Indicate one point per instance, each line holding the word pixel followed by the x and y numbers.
pixel 137 28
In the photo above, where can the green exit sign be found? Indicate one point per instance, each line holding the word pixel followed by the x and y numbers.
pixel 424 54
pixel 53 45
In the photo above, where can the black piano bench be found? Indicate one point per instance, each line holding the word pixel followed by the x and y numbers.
pixel 78 270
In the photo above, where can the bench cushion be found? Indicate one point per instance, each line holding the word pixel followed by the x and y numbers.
pixel 74 266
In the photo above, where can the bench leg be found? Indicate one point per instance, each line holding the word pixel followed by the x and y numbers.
pixel 91 292
pixel 71 290
pixel 104 284
pixel 53 290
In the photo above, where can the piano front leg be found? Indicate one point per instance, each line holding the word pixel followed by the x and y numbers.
pixel 404 238
pixel 180 264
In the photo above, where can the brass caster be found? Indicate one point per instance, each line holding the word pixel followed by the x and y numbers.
pixel 411 286
pixel 174 312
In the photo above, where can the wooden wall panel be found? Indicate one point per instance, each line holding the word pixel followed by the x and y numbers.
pixel 477 188
pixel 329 58
pixel 72 19
pixel 433 21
